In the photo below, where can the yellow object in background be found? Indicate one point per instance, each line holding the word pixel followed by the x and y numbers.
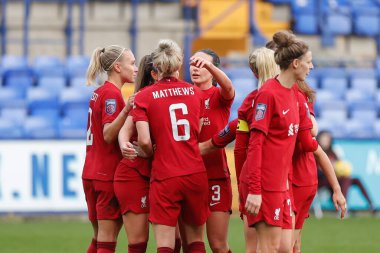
pixel 127 90
pixel 342 168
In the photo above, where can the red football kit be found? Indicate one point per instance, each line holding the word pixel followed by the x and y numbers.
pixel 216 114
pixel 269 160
pixel 305 178
pixel 101 158
pixel 173 109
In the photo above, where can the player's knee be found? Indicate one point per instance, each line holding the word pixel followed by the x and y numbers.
pixel 219 246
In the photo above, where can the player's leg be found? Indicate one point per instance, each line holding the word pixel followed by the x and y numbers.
pixel 90 195
pixel 137 230
pixel 269 237
pixel 195 211
pixel 109 217
pixel 297 241
pixel 178 240
pixel 220 199
pixel 287 233
pixel 217 231
pixel 164 236
pixel 251 243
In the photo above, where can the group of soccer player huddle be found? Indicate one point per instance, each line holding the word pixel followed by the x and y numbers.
pixel 159 157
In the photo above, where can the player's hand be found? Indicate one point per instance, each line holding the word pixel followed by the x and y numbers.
pixel 340 203
pixel 140 152
pixel 130 103
pixel 253 204
pixel 200 62
pixel 128 151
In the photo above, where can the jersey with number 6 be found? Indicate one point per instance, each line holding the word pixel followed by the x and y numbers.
pixel 101 158
pixel 173 109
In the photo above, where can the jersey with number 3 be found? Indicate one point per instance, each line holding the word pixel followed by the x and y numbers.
pixel 173 109
pixel 102 158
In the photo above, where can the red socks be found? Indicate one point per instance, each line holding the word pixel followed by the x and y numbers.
pixel 137 247
pixel 92 247
pixel 197 247
pixel 178 244
pixel 164 250
pixel 229 251
pixel 106 247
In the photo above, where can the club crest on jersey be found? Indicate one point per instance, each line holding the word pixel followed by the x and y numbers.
pixel 260 111
pixel 110 106
pixel 224 132
pixel 207 103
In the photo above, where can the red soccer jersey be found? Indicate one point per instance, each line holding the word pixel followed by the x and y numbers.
pixel 304 165
pixel 245 115
pixel 141 165
pixel 217 112
pixel 173 109
pixel 277 116
pixel 101 158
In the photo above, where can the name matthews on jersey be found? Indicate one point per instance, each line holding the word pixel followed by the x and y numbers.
pixel 173 92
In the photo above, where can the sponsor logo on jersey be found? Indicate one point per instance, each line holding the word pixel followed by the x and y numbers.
pixel 260 111
pixel 143 202
pixel 277 214
pixel 110 106
pixel 293 129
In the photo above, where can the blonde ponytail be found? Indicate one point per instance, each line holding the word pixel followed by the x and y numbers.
pixel 262 62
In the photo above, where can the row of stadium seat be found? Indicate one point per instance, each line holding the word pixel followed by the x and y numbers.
pixel 335 17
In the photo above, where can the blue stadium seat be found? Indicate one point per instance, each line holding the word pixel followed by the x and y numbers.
pixel 52 114
pixel 12 98
pixel 361 72
pixel 10 129
pixel 72 129
pixel 325 95
pixel 36 127
pixel 337 128
pixel 365 84
pixel 329 105
pixel 359 128
pixel 376 128
pixel 337 85
pixel 17 115
pixel 78 81
pixel 312 81
pixel 306 24
pixel 359 98
pixel 337 24
pixel 333 114
pixel 22 78
pixel 76 66
pixel 303 6
pixel 41 98
pixel 330 72
pixel 234 73
pixel 367 25
pixel 49 66
pixel 54 84
pixel 74 98
pixel 9 62
pixel 364 113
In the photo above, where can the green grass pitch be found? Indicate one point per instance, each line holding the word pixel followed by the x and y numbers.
pixel 328 235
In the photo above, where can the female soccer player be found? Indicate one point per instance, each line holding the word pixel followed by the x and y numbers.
pixel 205 74
pixel 170 112
pixel 131 181
pixel 107 114
pixel 274 132
pixel 264 67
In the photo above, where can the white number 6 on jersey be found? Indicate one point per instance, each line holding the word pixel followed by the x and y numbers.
pixel 176 123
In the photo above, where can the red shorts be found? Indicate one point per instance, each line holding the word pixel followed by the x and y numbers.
pixel 288 212
pixel 220 195
pixel 303 197
pixel 186 196
pixel 272 209
pixel 101 200
pixel 294 209
pixel 133 193
pixel 243 193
